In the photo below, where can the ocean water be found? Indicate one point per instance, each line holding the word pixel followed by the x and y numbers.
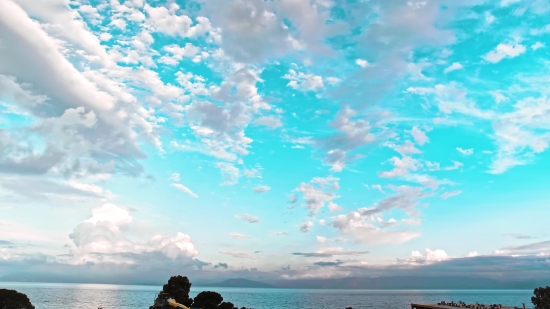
pixel 92 296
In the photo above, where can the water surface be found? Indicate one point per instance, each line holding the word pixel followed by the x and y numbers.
pixel 91 296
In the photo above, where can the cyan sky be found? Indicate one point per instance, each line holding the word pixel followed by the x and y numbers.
pixel 257 138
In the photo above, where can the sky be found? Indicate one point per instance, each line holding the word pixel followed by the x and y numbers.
pixel 283 139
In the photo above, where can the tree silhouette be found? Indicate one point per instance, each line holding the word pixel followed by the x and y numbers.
pixel 11 299
pixel 178 287
pixel 227 305
pixel 541 299
pixel 207 300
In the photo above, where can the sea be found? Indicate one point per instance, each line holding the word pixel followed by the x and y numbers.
pixel 106 296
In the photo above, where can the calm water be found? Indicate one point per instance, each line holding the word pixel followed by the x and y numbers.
pixel 91 296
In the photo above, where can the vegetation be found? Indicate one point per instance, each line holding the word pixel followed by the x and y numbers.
pixel 11 299
pixel 178 287
pixel 541 299
pixel 208 300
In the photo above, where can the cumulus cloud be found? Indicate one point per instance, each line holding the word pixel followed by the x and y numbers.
pixel 504 51
pixel 419 136
pixel 248 218
pixel 453 67
pixel 465 152
pixel 318 192
pixel 305 226
pixel 304 82
pixel 184 189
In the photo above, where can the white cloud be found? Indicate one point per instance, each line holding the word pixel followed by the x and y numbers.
pixel 499 97
pixel 175 177
pixel 456 165
pixel 305 226
pixel 446 195
pixel 318 192
pixel 166 20
pixel 239 254
pixel 177 53
pixel 261 189
pixel 431 256
pixel 402 166
pixel 321 239
pixel 105 36
pixel 362 63
pixel 100 239
pixel 465 152
pixel 489 18
pixel 333 207
pixel 304 82
pixel 248 218
pixel 504 51
pixel 253 173
pixel 419 136
pixel 238 235
pixel 508 2
pixel 184 189
pixel 453 67
pixel 537 45
pixel 229 172
pixel 268 121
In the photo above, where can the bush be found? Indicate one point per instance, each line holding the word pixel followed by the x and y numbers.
pixel 227 305
pixel 178 287
pixel 541 299
pixel 207 300
pixel 11 299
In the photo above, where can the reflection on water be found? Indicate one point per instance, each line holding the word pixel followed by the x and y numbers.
pixel 91 296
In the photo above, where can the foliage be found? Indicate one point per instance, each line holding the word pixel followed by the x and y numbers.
pixel 207 300
pixel 178 287
pixel 541 299
pixel 227 305
pixel 11 299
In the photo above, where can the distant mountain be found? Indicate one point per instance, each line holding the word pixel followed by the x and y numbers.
pixel 405 283
pixel 239 283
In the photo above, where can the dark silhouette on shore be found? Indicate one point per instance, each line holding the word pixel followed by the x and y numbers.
pixel 541 298
pixel 11 299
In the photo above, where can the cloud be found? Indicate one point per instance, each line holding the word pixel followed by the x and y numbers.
pixel 362 63
pixel 402 166
pixel 184 189
pixel 537 45
pixel 280 233
pixel 239 254
pixel 261 189
pixel 519 236
pixel 305 226
pixel 303 82
pixel 221 265
pixel 230 173
pixel 238 235
pixel 253 173
pixel 453 67
pixel 429 257
pixel 419 136
pixel 466 152
pixel 328 264
pixel 248 218
pixel 333 207
pixel 268 121
pixel 175 177
pixel 321 239
pixel 504 51
pixel 499 97
pixel 330 252
pixel 318 192
pixel 446 195
pixel 165 20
